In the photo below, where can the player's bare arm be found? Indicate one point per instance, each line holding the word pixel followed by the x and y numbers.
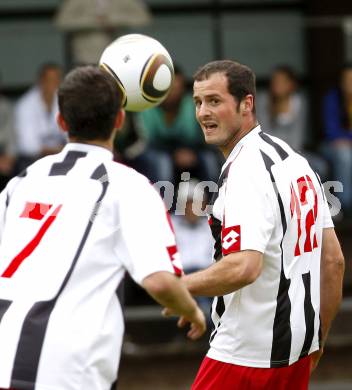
pixel 331 281
pixel 332 271
pixel 168 290
pixel 229 274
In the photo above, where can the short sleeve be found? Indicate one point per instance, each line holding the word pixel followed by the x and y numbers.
pixel 147 234
pixel 249 215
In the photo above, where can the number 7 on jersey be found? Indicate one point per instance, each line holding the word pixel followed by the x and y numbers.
pixel 36 211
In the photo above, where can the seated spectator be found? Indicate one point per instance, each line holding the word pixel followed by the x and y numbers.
pixel 7 142
pixel 35 118
pixel 129 147
pixel 193 236
pixel 282 112
pixel 337 115
pixel 174 139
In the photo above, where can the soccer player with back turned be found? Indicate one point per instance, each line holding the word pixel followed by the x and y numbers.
pixel 70 225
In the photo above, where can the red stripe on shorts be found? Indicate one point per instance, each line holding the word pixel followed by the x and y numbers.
pixel 216 375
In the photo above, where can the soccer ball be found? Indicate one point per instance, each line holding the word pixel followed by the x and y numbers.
pixel 142 68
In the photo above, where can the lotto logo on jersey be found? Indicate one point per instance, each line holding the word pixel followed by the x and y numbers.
pixel 231 239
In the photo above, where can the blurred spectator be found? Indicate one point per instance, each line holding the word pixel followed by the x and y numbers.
pixel 7 141
pixel 282 112
pixel 35 118
pixel 129 147
pixel 193 236
pixel 337 115
pixel 174 139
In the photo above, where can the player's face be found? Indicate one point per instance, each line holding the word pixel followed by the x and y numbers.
pixel 217 112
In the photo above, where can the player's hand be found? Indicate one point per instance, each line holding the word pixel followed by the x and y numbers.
pixel 196 319
pixel 314 359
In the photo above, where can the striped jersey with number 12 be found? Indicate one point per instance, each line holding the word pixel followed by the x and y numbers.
pixel 271 201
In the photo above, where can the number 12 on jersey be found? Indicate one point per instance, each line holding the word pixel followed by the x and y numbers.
pixel 305 209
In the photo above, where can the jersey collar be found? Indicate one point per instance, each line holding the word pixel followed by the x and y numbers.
pixel 103 152
pixel 236 150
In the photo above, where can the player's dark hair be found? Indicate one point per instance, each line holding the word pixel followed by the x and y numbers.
pixel 240 78
pixel 89 102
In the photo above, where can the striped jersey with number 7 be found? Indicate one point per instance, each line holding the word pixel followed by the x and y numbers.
pixel 70 226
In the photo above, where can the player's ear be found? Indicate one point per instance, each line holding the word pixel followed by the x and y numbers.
pixel 61 122
pixel 247 104
pixel 120 119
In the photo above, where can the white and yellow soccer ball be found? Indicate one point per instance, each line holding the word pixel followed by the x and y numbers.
pixel 142 68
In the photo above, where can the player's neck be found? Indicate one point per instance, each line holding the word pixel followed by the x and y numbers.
pixel 107 144
pixel 247 128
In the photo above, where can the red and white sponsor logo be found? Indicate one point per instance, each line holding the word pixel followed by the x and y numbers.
pixel 231 239
pixel 172 251
pixel 175 259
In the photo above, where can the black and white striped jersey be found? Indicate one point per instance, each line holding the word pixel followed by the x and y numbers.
pixel 70 226
pixel 269 200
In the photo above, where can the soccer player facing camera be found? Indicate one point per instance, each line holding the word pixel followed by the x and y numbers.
pixel 278 265
pixel 70 226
